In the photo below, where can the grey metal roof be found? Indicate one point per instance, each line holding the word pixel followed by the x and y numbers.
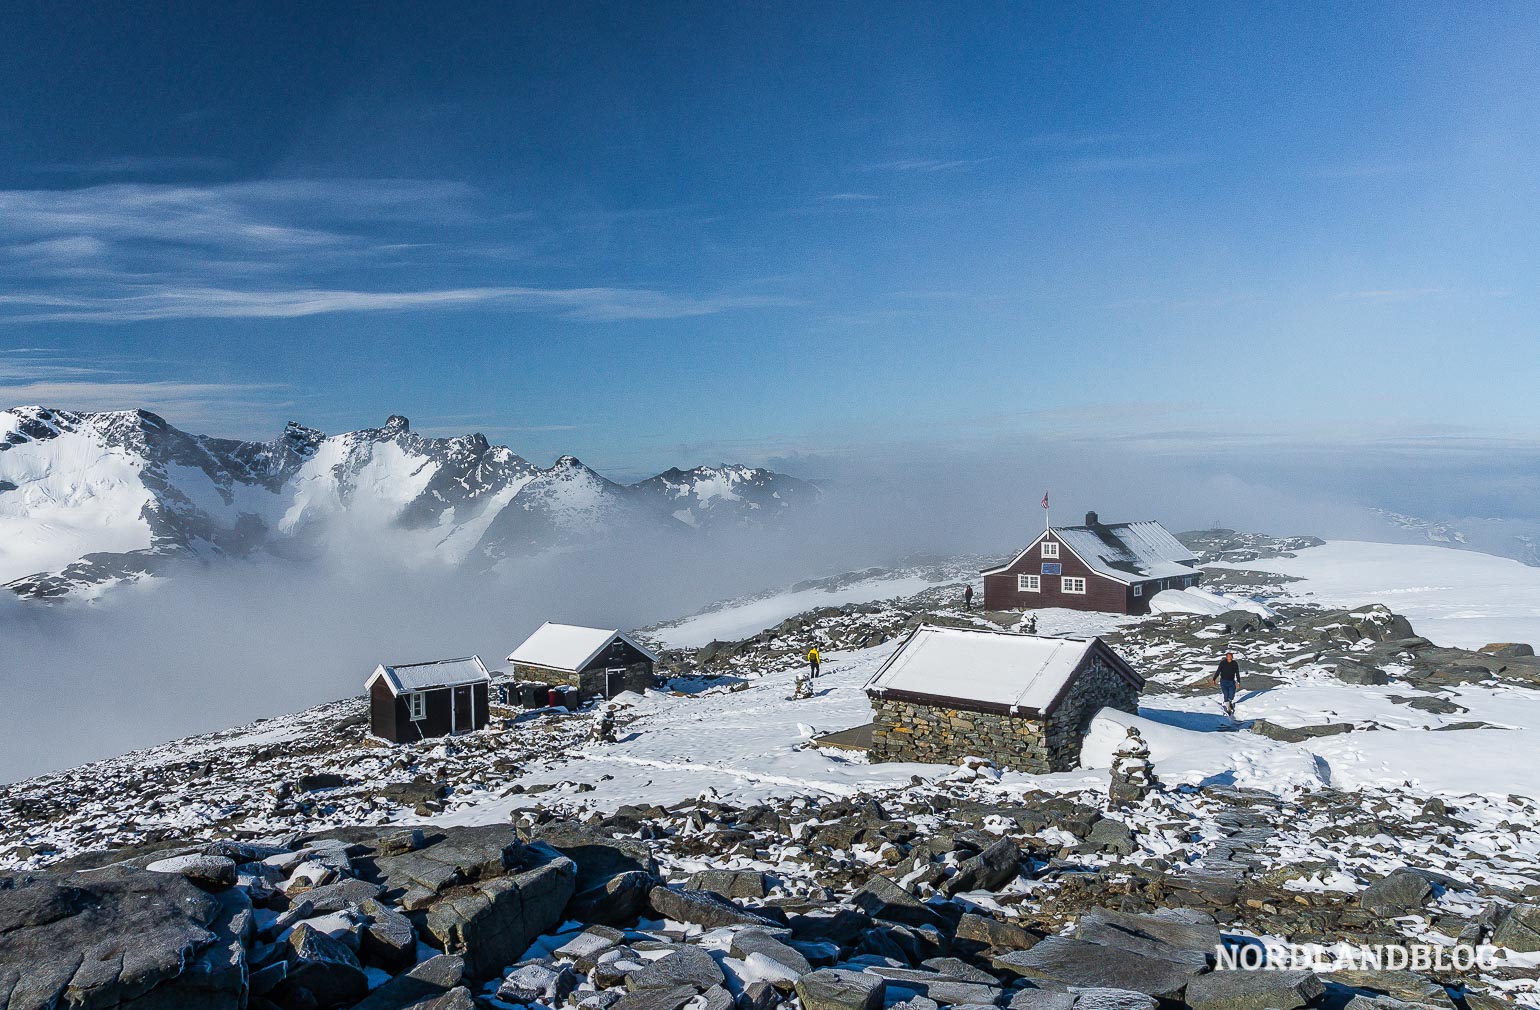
pixel 1127 552
pixel 570 647
pixel 426 676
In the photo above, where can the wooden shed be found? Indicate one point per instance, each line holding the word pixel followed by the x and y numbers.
pixel 1022 701
pixel 599 662
pixel 1113 567
pixel 415 701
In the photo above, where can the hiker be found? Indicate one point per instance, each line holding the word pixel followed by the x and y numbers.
pixel 968 598
pixel 812 660
pixel 1226 677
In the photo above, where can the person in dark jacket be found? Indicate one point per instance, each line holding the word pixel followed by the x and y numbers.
pixel 1227 677
pixel 968 598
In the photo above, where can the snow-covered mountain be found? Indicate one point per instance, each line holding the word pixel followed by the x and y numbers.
pixel 1510 538
pixel 90 499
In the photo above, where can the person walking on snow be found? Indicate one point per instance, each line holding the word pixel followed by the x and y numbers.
pixel 968 598
pixel 812 660
pixel 1227 676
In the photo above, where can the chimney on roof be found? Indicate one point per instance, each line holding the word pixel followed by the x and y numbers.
pixel 1090 519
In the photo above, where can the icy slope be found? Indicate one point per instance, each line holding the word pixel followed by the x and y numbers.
pixel 1457 598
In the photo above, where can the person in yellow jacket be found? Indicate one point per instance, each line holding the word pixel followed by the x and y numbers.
pixel 812 660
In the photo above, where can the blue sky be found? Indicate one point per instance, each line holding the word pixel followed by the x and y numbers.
pixel 780 231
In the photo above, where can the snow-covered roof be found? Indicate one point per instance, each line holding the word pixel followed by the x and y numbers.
pixel 424 676
pixel 995 668
pixel 1127 552
pixel 569 646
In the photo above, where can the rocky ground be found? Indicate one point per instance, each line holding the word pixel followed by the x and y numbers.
pixel 297 863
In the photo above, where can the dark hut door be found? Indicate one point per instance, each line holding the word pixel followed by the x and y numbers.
pixel 464 716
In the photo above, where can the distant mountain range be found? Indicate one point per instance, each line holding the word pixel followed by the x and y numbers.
pixel 88 500
pixel 1509 538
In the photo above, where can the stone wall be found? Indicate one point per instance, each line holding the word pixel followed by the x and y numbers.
pixel 909 731
pixel 590 683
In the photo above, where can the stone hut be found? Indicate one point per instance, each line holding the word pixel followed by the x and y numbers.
pixel 599 662
pixel 1022 701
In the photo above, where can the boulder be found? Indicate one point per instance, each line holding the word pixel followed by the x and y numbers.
pixel 990 870
pixel 321 780
pixel 1508 650
pixel 759 996
pixel 1112 999
pixel 730 884
pixel 686 966
pixel 988 931
pixel 597 856
pixel 1519 929
pixel 324 967
pixel 1109 835
pixel 534 982
pixel 203 870
pixel 1082 963
pixel 1191 943
pixel 1397 894
pixel 455 857
pixel 838 989
pixel 349 892
pixel 1254 990
pixel 702 908
pixel 154 933
pixel 1298 734
pixel 492 923
pixel 747 942
pixel 584 949
pixel 1033 998
pixel 388 941
pixel 656 999
pixel 881 898
pixel 1351 671
pixel 612 902
pixel 433 978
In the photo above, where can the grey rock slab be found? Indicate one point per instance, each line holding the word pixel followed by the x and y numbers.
pixel 455 856
pixel 1254 990
pixel 598 857
pixel 389 940
pixel 492 923
pixel 990 870
pixel 687 966
pixel 656 999
pixel 1401 892
pixel 755 941
pixel 115 933
pixel 1111 999
pixel 585 948
pixel 326 967
pixel 1519 929
pixel 730 884
pixel 533 981
pixel 838 989
pixel 615 901
pixel 881 898
pixel 1150 935
pixel 702 908
pixel 1109 835
pixel 349 892
pixel 715 998
pixel 759 996
pixel 203 870
pixel 960 970
pixel 432 978
pixel 1043 999
pixel 1082 963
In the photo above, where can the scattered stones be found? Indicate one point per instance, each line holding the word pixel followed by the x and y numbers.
pixel 837 989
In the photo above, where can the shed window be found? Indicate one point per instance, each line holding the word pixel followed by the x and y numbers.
pixel 1050 549
pixel 1073 584
pixel 1029 583
pixel 417 705
pixel 1138 589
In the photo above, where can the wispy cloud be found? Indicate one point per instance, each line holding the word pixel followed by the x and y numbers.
pixel 42 376
pixel 135 165
pixel 1125 163
pixel 852 197
pixel 926 166
pixel 591 304
pixel 132 252
pixel 1389 294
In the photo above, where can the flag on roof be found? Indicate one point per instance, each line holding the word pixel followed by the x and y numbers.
pixel 1045 499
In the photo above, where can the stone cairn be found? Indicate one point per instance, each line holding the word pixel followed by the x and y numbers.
pixel 1133 775
pixel 602 730
pixel 802 685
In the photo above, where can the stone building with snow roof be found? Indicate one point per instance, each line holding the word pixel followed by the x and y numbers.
pixel 1112 567
pixel 599 662
pixel 415 701
pixel 1024 702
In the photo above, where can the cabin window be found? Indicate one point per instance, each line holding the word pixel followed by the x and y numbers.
pixel 1073 584
pixel 417 705
pixel 1029 583
pixel 1050 549
pixel 1138 590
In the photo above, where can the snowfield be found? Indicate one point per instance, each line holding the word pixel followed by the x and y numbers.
pixel 1456 598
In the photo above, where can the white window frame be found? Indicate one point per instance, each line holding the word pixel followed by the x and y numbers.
pixel 1029 583
pixel 1050 549
pixel 417 706
pixel 1138 589
pixel 1066 582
